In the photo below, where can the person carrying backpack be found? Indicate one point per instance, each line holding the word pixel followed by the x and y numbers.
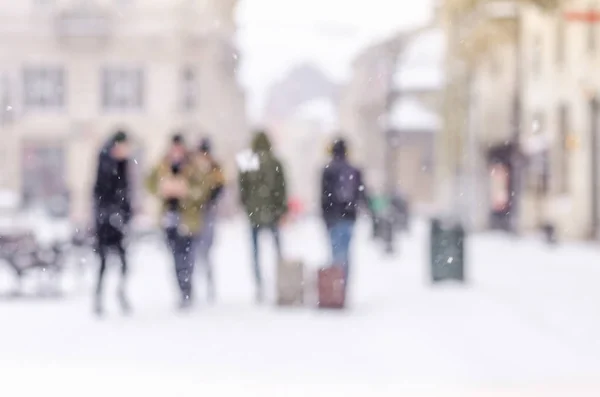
pixel 263 194
pixel 342 190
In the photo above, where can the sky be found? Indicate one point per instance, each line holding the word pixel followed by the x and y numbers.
pixel 273 35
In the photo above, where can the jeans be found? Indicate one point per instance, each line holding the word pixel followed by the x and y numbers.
pixel 204 242
pixel 255 233
pixel 340 236
pixel 182 249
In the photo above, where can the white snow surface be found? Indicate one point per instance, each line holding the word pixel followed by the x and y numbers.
pixel 526 324
pixel 409 114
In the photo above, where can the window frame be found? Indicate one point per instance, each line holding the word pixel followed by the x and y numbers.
pixel 189 92
pixel 43 99
pixel 124 98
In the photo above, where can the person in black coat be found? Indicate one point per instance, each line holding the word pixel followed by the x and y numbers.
pixel 112 210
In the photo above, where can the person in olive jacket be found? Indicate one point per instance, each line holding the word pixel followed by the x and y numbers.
pixel 263 195
pixel 207 163
pixel 184 190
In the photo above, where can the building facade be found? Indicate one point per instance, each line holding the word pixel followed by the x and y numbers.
pixel 72 72
pixel 385 76
pixel 561 87
pixel 363 106
pixel 538 96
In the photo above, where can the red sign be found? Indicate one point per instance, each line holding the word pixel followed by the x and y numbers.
pixel 583 16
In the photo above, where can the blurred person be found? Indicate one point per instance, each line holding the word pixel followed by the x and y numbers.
pixel 112 209
pixel 205 238
pixel 342 190
pixel 183 189
pixel 263 194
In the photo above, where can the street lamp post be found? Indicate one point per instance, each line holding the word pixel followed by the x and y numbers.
pixel 390 147
pixel 395 49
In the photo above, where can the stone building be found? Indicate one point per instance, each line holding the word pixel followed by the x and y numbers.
pixel 406 69
pixel 72 72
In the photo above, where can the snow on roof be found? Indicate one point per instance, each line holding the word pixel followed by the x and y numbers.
pixel 426 48
pixel 408 114
pixel 320 110
pixel 423 78
pixel 422 64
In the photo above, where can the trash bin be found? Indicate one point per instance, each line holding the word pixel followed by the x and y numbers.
pixel 447 251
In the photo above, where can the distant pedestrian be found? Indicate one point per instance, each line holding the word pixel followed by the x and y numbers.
pixel 263 194
pixel 112 209
pixel 204 241
pixel 342 190
pixel 183 190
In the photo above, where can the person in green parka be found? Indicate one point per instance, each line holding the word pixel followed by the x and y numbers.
pixel 263 195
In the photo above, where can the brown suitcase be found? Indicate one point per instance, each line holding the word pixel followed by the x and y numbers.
pixel 290 283
pixel 332 288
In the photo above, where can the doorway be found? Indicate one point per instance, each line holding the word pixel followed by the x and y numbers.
pixel 43 173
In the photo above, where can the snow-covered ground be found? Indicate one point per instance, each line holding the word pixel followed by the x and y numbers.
pixel 527 323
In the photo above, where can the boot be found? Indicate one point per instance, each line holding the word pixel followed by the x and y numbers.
pixel 185 303
pixel 210 289
pixel 123 301
pixel 98 306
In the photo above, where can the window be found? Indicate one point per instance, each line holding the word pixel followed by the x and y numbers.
pixel 562 154
pixel 43 88
pixel 122 89
pixel 538 164
pixel 560 40
pixel 189 92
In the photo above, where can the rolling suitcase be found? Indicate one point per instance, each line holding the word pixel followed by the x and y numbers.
pixel 290 283
pixel 332 288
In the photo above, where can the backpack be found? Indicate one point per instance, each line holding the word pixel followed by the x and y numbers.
pixel 346 187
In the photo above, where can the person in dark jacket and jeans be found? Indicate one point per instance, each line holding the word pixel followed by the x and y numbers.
pixel 263 194
pixel 342 190
pixel 112 209
pixel 205 238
